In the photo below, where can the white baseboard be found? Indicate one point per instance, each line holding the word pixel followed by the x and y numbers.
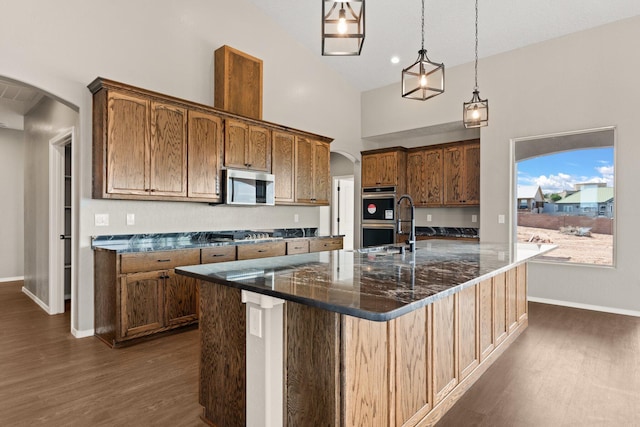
pixel 82 334
pixel 586 306
pixel 11 279
pixel 35 299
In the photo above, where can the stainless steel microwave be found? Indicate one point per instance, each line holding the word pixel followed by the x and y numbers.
pixel 249 188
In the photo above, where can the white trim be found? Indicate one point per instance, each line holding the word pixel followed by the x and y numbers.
pixel 612 310
pixel 83 333
pixel 35 299
pixel 56 219
pixel 11 279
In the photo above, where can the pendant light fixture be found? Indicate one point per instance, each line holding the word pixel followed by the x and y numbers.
pixel 342 27
pixel 475 113
pixel 424 79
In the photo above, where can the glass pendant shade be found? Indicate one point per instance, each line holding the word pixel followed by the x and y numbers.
pixel 475 113
pixel 342 27
pixel 424 79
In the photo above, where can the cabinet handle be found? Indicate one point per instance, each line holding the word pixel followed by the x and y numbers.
pixel 216 255
pixel 262 250
pixel 152 189
pixel 164 260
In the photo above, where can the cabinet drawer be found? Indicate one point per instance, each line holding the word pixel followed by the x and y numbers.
pixel 218 254
pixel 261 250
pixel 297 247
pixel 318 245
pixel 161 260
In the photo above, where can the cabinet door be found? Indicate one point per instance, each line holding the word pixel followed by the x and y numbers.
pixel 258 154
pixel 283 166
pixel 205 156
pixel 416 170
pixel 127 146
pixel 433 163
pixel 304 170
pixel 445 348
pixel 453 176
pixel 388 168
pixel 180 299
pixel 235 144
pixel 141 296
pixel 321 173
pixel 472 174
pixel 370 170
pixel 168 170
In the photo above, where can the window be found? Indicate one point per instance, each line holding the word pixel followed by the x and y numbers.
pixel 575 173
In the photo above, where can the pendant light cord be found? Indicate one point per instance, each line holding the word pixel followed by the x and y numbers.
pixel 476 66
pixel 423 24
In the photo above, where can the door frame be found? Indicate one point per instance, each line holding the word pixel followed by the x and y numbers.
pixel 56 221
pixel 335 205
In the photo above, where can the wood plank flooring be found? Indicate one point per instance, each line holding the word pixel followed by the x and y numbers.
pixel 48 377
pixel 570 367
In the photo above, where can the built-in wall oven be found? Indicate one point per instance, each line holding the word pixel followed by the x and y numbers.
pixel 378 216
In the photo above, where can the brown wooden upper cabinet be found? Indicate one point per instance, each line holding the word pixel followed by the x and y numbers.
pixel 150 146
pixel 283 158
pixel 462 174
pixel 385 167
pixel 247 146
pixel 145 149
pixel 424 176
pixel 312 176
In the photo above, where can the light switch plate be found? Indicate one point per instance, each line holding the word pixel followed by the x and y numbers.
pixel 429 218
pixel 102 220
pixel 296 218
pixel 131 219
pixel 474 218
pixel 500 219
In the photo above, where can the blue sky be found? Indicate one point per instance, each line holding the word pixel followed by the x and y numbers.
pixel 560 171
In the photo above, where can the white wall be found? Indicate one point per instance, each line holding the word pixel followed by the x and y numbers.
pixel 581 81
pixel 168 46
pixel 12 211
pixel 45 121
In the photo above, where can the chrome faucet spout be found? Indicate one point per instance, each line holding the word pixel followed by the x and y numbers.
pixel 412 234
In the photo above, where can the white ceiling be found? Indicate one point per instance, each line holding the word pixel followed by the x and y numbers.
pixel 16 99
pixel 393 28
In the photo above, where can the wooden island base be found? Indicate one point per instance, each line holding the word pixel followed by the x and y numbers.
pixel 341 370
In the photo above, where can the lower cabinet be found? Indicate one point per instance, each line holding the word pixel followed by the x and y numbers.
pixel 156 301
pixel 139 294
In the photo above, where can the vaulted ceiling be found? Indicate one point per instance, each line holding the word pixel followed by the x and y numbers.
pixel 393 29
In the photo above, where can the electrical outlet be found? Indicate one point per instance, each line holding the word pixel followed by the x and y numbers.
pixel 500 219
pixel 296 218
pixel 255 322
pixel 131 219
pixel 429 218
pixel 102 220
pixel 474 218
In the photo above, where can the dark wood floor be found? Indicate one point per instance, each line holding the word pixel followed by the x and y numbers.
pixel 48 377
pixel 569 368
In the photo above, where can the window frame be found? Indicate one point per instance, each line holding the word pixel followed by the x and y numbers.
pixel 568 139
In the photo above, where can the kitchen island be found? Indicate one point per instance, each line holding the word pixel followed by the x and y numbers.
pixel 356 338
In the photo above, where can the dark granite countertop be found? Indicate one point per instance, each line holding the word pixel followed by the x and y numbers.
pixel 465 232
pixel 374 283
pixel 129 243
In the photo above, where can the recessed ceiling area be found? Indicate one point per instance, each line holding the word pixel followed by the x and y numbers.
pixel 393 29
pixel 16 99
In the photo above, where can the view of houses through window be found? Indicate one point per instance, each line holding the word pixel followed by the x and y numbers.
pixel 565 195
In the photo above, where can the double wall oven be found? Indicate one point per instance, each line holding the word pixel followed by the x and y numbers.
pixel 378 216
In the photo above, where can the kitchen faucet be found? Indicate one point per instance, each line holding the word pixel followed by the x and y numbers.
pixel 412 234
